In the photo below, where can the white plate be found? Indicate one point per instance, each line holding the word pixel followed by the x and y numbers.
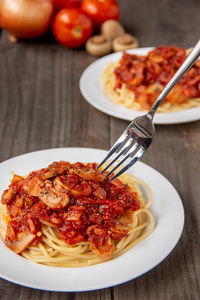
pixel 92 91
pixel 166 208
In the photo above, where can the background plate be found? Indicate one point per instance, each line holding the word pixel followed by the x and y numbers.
pixel 166 208
pixel 92 91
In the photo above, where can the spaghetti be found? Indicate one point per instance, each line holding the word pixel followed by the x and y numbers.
pixel 136 81
pixel 101 220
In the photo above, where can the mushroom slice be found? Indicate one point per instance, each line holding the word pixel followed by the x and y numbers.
pixel 124 42
pixel 83 189
pixel 87 174
pixel 118 231
pixel 111 29
pixel 47 193
pixel 53 170
pixel 98 45
pixel 23 240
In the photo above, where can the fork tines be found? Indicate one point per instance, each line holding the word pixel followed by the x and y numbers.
pixel 125 147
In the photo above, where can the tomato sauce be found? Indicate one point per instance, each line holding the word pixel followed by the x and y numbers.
pixel 92 214
pixel 147 75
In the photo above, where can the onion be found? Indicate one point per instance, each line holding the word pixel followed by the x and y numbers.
pixel 26 18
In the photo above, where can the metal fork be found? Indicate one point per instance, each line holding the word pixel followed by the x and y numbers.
pixel 138 136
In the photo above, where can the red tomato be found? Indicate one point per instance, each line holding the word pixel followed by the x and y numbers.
pixel 100 10
pixel 71 27
pixel 59 4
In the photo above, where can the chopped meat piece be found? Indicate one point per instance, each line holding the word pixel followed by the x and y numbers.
pixel 8 196
pixel 22 241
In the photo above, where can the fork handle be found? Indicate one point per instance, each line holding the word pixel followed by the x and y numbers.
pixel 181 71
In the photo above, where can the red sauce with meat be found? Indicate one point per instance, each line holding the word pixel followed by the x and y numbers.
pixel 76 200
pixel 147 75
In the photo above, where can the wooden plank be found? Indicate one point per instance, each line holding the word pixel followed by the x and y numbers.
pixel 161 22
pixel 94 295
pixel 44 102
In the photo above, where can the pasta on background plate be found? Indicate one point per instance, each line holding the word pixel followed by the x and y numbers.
pixel 136 81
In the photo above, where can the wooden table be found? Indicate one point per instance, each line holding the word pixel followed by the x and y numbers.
pixel 41 107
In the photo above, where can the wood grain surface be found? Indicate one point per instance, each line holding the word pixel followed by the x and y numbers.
pixel 41 107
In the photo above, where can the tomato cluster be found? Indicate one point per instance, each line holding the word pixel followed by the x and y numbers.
pixel 75 20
